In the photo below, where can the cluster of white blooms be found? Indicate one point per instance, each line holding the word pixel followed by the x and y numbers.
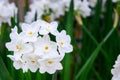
pixel 94 2
pixel 57 8
pixel 115 1
pixel 34 48
pixel 7 10
pixel 116 70
pixel 82 7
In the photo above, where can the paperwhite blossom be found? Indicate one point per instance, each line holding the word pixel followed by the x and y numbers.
pixel 47 28
pixel 50 64
pixel 31 61
pixel 63 40
pixel 17 45
pixel 16 63
pixel 34 49
pixel 30 31
pixel 45 46
pixel 116 69
pixel 19 63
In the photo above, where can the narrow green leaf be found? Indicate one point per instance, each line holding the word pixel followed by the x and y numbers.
pixel 87 66
pixel 69 29
pixel 4 74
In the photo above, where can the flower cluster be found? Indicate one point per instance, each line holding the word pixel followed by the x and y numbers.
pixel 116 70
pixel 57 8
pixel 115 1
pixel 7 10
pixel 39 46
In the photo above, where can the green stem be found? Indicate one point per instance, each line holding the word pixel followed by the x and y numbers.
pixel 54 76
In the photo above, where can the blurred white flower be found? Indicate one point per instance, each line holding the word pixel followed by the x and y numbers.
pixel 57 8
pixel 39 7
pixel 63 41
pixel 116 69
pixel 7 10
pixel 30 17
pixel 115 1
pixel 57 11
pixel 66 4
pixel 82 8
pixel 92 3
pixel 50 64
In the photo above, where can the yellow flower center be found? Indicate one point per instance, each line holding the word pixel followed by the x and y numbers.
pixel 46 48
pixel 18 47
pixel 48 27
pixel 61 43
pixel 30 32
pixel 33 60
pixel 50 62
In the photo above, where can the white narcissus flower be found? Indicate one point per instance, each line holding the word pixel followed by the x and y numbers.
pixel 30 31
pixel 19 63
pixel 116 69
pixel 31 61
pixel 16 63
pixel 47 28
pixel 44 46
pixel 92 3
pixel 63 40
pixel 50 64
pixel 17 45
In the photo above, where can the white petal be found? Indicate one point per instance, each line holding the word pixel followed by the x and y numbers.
pixel 25 26
pixel 42 69
pixel 43 32
pixel 10 46
pixel 17 64
pixel 68 49
pixel 58 66
pixel 33 68
pixel 51 70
